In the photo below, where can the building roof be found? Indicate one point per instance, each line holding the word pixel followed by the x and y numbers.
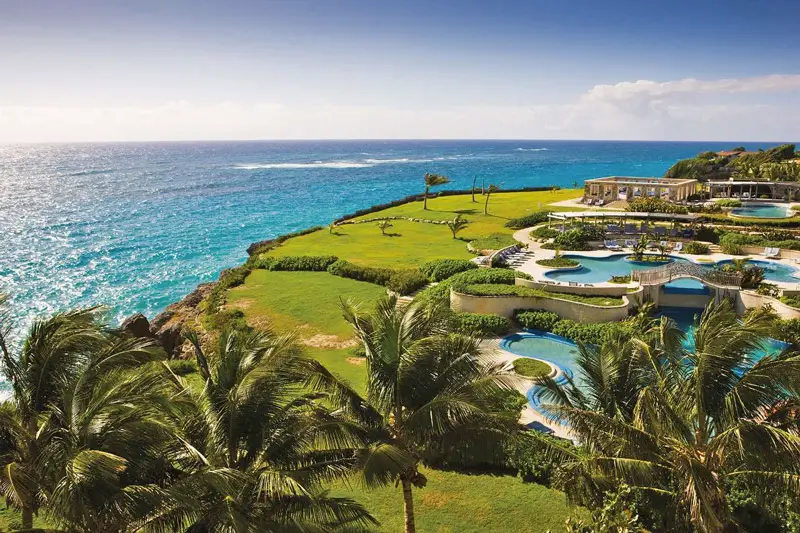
pixel 635 180
pixel 627 214
pixel 725 183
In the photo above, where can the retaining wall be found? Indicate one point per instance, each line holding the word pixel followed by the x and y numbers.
pixel 750 299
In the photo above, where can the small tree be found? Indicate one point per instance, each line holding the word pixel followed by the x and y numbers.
pixel 492 188
pixel 384 225
pixel 474 183
pixel 432 180
pixel 457 224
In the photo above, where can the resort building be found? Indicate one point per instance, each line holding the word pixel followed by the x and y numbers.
pixel 775 190
pixel 612 188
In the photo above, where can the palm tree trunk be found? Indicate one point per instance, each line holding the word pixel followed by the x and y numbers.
pixel 408 507
pixel 425 199
pixel 27 518
pixel 474 180
pixel 486 205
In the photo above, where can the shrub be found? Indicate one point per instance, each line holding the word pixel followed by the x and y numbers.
pixel 620 279
pixel 574 239
pixel 729 202
pixel 182 367
pixel 655 205
pixel 779 235
pixel 264 246
pixel 232 319
pixel 527 220
pixel 791 301
pixel 531 368
pixel 708 234
pixel 309 263
pixel 697 248
pixel 406 281
pixel 229 278
pixel 531 457
pixel 588 333
pixel 732 243
pixel 490 289
pixel 541 320
pixel 788 331
pixel 345 269
pixel 441 292
pixel 767 289
pixel 482 324
pixel 543 232
pixel 442 269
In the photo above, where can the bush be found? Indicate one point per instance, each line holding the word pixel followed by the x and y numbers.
pixel 182 367
pixel 442 269
pixel 788 331
pixel 779 235
pixel 308 263
pixel 588 333
pixel 791 301
pixel 405 282
pixel 345 269
pixel 732 243
pixel 708 234
pixel 527 220
pixel 558 262
pixel 541 320
pixel 574 239
pixel 620 279
pixel 655 205
pixel 543 232
pixel 482 324
pixel 441 293
pixel 729 202
pixel 697 248
pixel 767 289
pixel 232 319
pixel 530 455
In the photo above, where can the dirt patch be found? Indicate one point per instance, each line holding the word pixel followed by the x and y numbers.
pixel 328 341
pixel 241 303
pixel 356 360
pixel 434 499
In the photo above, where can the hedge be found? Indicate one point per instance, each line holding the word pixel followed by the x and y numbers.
pixel 755 223
pixel 442 269
pixel 309 263
pixel 527 220
pixel 482 324
pixel 788 331
pixel 697 248
pixel 345 269
pixel 530 368
pixel 441 293
pixel 543 232
pixel 406 281
pixel 558 262
pixel 491 289
pixel 269 244
pixel 541 320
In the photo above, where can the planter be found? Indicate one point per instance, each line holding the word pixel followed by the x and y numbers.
pixel 654 262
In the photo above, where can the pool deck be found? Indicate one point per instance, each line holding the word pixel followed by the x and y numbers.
pixel 538 272
pixel 491 349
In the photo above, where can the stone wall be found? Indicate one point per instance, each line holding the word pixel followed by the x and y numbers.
pixel 749 299
pixel 616 290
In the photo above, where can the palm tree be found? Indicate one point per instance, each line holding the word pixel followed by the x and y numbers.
pixel 696 422
pixel 384 225
pixel 457 224
pixel 432 180
pixel 430 391
pixel 264 413
pixel 492 188
pixel 474 182
pixel 66 381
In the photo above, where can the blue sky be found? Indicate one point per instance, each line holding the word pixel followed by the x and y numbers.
pixel 105 70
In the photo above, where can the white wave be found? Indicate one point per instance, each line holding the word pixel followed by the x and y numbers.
pixel 401 160
pixel 531 149
pixel 316 164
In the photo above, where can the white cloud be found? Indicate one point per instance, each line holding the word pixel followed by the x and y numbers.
pixel 725 109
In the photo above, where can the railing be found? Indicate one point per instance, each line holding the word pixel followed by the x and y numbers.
pixel 684 269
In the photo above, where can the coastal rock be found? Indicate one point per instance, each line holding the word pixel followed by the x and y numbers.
pixel 168 325
pixel 137 326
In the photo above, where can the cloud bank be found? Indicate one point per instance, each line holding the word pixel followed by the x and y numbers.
pixel 757 108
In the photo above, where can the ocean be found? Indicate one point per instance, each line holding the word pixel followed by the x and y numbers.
pixel 136 226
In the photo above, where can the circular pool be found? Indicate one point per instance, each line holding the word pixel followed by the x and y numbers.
pixel 759 210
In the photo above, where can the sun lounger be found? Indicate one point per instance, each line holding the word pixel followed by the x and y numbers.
pixel 644 228
pixel 688 233
pixel 674 232
pixel 612 245
pixel 651 244
pixel 630 243
pixel 600 202
pixel 612 228
pixel 772 252
pixel 678 247
pixel 630 229
pixel 573 283
pixel 660 232
pixel 664 244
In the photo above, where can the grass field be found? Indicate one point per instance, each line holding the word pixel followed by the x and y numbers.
pixel 468 503
pixel 530 368
pixel 409 244
pixel 307 303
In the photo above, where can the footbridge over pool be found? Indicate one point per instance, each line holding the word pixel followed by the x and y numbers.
pixel 721 284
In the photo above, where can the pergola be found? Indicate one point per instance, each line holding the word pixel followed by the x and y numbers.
pixel 776 188
pixel 616 215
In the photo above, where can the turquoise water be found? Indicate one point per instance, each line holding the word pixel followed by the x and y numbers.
pixel 137 226
pixel 600 269
pixel 756 210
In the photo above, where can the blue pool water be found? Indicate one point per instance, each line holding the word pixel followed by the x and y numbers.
pixel 600 269
pixel 758 210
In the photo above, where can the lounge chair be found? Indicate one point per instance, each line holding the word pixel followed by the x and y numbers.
pixel 664 244
pixel 600 202
pixel 612 245
pixel 678 247
pixel 630 243
pixel 660 232
pixel 772 252
pixel 612 228
pixel 573 283
pixel 651 244
pixel 630 229
pixel 644 228
pixel 688 233
pixel 674 232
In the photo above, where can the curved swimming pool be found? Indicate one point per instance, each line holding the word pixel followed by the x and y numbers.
pixel 759 210
pixel 601 269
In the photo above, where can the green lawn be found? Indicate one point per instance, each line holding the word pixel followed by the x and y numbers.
pixel 468 503
pixel 530 368
pixel 409 244
pixel 304 302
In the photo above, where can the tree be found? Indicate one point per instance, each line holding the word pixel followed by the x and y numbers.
pixel 265 414
pixel 474 182
pixel 492 188
pixel 432 180
pixel 457 224
pixel 430 391
pixel 697 419
pixel 64 380
pixel 384 225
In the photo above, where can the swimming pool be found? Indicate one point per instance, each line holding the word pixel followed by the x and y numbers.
pixel 600 269
pixel 757 210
